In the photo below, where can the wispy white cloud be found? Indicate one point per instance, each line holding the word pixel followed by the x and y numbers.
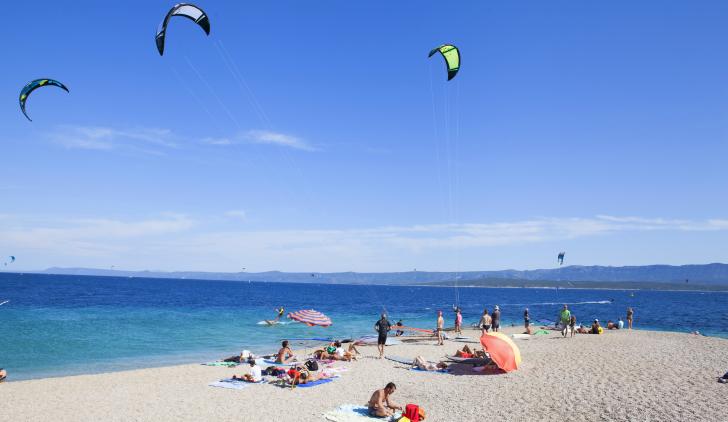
pixel 279 139
pixel 236 214
pixel 265 137
pixel 108 138
pixel 176 241
pixel 218 141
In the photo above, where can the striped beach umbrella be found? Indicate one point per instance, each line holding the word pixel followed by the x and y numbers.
pixel 502 350
pixel 310 317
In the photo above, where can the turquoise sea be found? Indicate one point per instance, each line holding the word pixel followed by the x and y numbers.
pixel 61 325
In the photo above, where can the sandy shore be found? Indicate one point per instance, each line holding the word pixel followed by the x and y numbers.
pixel 623 376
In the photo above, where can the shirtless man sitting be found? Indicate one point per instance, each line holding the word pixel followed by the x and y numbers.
pixel 285 355
pixel 380 404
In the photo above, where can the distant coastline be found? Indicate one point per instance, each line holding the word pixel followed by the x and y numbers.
pixel 702 278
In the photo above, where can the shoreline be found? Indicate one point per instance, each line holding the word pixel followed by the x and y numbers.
pixel 624 375
pixel 208 356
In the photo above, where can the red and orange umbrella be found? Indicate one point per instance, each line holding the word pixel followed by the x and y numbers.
pixel 502 350
pixel 310 317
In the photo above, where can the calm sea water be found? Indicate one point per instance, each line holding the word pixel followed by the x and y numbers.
pixel 60 325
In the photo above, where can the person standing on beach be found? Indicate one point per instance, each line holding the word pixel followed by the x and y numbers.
pixel 496 319
pixel 485 321
pixel 565 319
pixel 382 327
pixel 630 315
pixel 458 321
pixel 440 327
pixel 527 321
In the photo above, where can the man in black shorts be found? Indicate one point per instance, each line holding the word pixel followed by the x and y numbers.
pixel 382 327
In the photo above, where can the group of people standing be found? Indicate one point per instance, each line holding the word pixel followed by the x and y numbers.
pixel 490 321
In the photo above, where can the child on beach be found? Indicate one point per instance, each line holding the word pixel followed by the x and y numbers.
pixel 458 321
pixel 572 324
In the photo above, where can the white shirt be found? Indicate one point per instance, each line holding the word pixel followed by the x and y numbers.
pixel 256 373
pixel 340 352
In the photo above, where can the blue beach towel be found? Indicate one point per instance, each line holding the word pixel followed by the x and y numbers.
pixel 315 383
pixel 439 371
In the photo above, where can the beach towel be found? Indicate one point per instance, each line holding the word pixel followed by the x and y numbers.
pixel 315 383
pixel 472 361
pixel 540 332
pixel 227 364
pixel 353 413
pixel 439 371
pixel 400 359
pixel 230 384
pixel 272 362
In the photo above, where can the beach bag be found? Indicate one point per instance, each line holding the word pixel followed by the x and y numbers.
pixel 311 365
pixel 412 412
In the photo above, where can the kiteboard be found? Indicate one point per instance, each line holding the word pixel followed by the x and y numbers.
pixel 4 302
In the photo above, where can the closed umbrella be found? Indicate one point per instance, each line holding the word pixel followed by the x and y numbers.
pixel 310 317
pixel 502 350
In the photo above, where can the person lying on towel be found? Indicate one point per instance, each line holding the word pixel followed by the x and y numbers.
pixel 421 363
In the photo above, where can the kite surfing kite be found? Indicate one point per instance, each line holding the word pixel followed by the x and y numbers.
pixel 11 260
pixel 187 10
pixel 561 257
pixel 32 86
pixel 451 54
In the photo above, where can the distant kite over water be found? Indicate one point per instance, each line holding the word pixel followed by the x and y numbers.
pixel 32 86
pixel 187 10
pixel 11 260
pixel 451 54
pixel 561 257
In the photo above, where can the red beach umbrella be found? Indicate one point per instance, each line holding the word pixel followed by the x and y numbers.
pixel 502 350
pixel 310 317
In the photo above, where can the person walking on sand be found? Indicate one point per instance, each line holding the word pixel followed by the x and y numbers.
pixel 382 327
pixel 496 319
pixel 630 315
pixel 458 321
pixel 485 321
pixel 440 327
pixel 572 324
pixel 564 319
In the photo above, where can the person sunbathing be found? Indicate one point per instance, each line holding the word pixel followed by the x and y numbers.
pixel 466 352
pixel 582 330
pixel 380 405
pixel 421 363
pixel 285 354
pixel 255 374
pixel 321 354
pixel 341 354
pixel 300 375
pixel 3 374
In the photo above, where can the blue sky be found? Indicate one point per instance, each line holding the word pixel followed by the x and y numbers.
pixel 317 136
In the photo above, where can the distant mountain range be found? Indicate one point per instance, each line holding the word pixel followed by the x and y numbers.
pixel 583 276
